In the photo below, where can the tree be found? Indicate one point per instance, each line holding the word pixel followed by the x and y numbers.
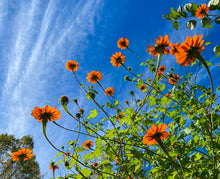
pixel 11 169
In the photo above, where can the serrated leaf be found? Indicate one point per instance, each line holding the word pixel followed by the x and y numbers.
pixel 206 22
pixel 176 25
pixel 217 20
pixel 191 24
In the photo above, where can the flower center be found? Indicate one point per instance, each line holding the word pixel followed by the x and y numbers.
pixel 94 77
pixel 45 115
pixel 118 60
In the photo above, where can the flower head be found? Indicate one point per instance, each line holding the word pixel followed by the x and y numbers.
pixel 142 87
pixel 202 11
pixel 53 166
pixel 67 154
pixel 117 59
pixel 72 65
pixel 109 91
pixel 160 47
pixel 161 70
pixel 155 134
pixel 116 160
pixel 22 155
pixel 120 116
pixel 167 95
pixel 174 47
pixel 94 76
pixel 189 49
pixel 174 79
pixel 81 110
pixel 95 164
pixel 87 144
pixel 122 43
pixel 48 113
pixel 64 100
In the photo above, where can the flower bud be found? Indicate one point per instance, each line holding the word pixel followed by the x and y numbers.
pixel 127 78
pixel 75 100
pixel 64 100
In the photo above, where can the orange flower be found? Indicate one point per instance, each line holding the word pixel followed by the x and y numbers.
pixel 161 70
pixel 94 76
pixel 174 48
pixel 130 177
pixel 142 87
pixel 121 116
pixel 171 147
pixel 72 65
pixel 87 144
pixel 167 95
pixel 67 154
pixel 53 167
pixel 22 155
pixel 188 50
pixel 160 47
pixel 48 113
pixel 81 110
pixel 122 43
pixel 116 160
pixel 117 59
pixel 202 11
pixel 174 79
pixel 109 91
pixel 95 164
pixel 155 134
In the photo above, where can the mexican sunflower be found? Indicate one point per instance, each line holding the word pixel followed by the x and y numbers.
pixel 94 76
pixel 155 134
pixel 173 50
pixel 189 49
pixel 160 47
pixel 167 95
pixel 22 155
pixel 142 87
pixel 87 144
pixel 202 11
pixel 67 154
pixel 117 59
pixel 161 70
pixel 109 91
pixel 53 167
pixel 123 43
pixel 48 113
pixel 72 65
pixel 174 79
pixel 95 164
pixel 120 116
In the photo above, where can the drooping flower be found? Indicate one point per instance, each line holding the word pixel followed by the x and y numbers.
pixel 48 113
pixel 117 59
pixel 160 46
pixel 53 166
pixel 67 154
pixel 87 144
pixel 120 116
pixel 95 164
pixel 189 49
pixel 161 70
pixel 109 91
pixel 123 43
pixel 174 47
pixel 22 155
pixel 202 11
pixel 72 65
pixel 174 79
pixel 155 134
pixel 94 76
pixel 142 87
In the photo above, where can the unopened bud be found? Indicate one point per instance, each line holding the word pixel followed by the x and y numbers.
pixel 126 78
pixel 75 100
pixel 63 100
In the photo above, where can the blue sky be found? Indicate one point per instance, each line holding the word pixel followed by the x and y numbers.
pixel 38 37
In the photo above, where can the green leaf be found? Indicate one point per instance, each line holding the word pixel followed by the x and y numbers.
pixel 193 9
pixel 206 22
pixel 174 14
pixel 188 7
pixel 191 24
pixel 188 130
pixel 214 5
pixel 217 50
pixel 217 20
pixel 92 114
pixel 207 43
pixel 176 25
